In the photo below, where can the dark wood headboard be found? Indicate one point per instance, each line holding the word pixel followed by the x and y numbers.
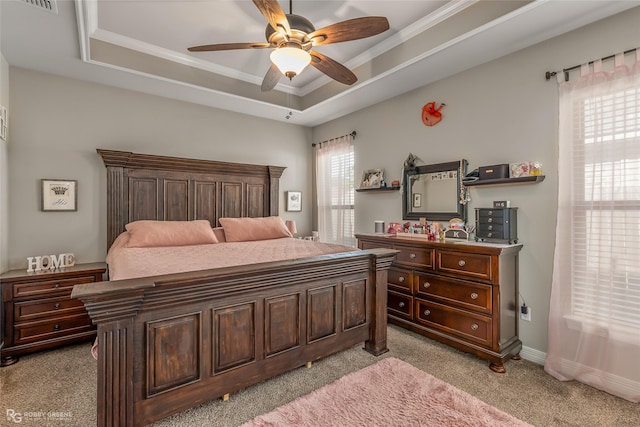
pixel 142 186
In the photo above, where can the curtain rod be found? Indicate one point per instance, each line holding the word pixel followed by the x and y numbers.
pixel 353 135
pixel 550 74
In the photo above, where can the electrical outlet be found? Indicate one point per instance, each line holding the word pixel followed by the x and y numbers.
pixel 525 313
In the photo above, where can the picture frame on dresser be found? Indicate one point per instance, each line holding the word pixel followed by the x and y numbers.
pixel 59 195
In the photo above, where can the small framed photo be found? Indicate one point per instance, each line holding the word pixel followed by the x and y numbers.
pixel 59 195
pixel 294 201
pixel 372 178
pixel 417 200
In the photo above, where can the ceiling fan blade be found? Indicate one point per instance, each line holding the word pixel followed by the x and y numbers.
pixel 227 46
pixel 333 69
pixel 274 14
pixel 351 29
pixel 271 79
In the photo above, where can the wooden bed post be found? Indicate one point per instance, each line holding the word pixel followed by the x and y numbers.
pixel 115 355
pixel 377 345
pixel 275 172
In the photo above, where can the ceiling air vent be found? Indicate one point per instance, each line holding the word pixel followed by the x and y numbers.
pixel 48 5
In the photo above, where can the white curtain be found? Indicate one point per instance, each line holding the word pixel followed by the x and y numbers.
pixel 336 190
pixel 594 320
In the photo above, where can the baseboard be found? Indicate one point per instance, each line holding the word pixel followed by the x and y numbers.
pixel 533 355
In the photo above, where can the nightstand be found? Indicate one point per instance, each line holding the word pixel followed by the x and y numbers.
pixel 39 313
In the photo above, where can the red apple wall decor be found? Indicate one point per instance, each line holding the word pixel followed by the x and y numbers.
pixel 431 114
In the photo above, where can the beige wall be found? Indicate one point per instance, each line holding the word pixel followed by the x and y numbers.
pixel 500 112
pixel 57 124
pixel 4 171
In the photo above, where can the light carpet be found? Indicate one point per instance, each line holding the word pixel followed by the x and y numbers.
pixel 389 392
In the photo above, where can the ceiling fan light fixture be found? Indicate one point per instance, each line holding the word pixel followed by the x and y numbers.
pixel 290 60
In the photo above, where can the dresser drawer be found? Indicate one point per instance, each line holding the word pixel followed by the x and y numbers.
pixel 51 328
pixel 461 264
pixel 400 278
pixel 490 215
pixel 459 293
pixel 414 257
pixel 400 305
pixel 28 310
pixel 491 234
pixel 471 327
pixel 49 287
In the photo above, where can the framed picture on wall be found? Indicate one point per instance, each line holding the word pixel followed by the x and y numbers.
pixel 372 178
pixel 294 201
pixel 59 195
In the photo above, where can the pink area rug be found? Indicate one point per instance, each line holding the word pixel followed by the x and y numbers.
pixel 388 393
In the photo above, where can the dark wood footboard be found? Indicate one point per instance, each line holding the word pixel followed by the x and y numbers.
pixel 171 342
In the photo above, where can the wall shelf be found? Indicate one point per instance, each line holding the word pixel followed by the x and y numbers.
pixel 378 189
pixel 507 181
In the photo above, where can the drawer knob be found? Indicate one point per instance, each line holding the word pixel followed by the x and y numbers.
pixel 427 284
pixel 489 234
pixel 490 227
pixel 427 312
pixel 461 263
pixel 56 327
pixel 401 279
pixel 57 285
pixel 401 304
pixel 489 212
pixel 412 255
pixel 474 327
pixel 490 220
pixel 57 305
pixel 474 295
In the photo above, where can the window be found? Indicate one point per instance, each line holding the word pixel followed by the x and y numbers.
pixel 606 208
pixel 335 181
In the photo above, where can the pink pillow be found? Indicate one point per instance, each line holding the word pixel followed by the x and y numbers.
pixel 143 234
pixel 245 229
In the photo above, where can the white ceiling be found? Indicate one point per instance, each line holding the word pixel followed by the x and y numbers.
pixel 142 45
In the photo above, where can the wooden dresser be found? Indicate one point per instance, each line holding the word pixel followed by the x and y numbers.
pixel 39 312
pixel 461 294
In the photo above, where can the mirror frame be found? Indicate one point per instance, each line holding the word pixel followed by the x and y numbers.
pixel 461 212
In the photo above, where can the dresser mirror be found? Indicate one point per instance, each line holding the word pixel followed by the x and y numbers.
pixel 434 192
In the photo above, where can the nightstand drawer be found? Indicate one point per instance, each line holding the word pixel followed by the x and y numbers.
pixel 28 310
pixel 51 328
pixel 400 278
pixel 472 327
pixel 399 305
pixel 49 287
pixel 464 264
pixel 463 294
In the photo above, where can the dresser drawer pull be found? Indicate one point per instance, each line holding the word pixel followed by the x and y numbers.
pixel 427 284
pixel 412 255
pixel 427 312
pixel 57 285
pixel 489 212
pixel 400 304
pixel 490 227
pixel 474 295
pixel 461 263
pixel 56 327
pixel 401 279
pixel 474 327
pixel 489 234
pixel 57 305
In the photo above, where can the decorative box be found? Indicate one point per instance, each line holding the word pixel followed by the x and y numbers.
pixel 494 172
pixel 517 170
pixel 455 233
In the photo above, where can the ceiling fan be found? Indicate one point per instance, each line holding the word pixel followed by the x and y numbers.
pixel 293 36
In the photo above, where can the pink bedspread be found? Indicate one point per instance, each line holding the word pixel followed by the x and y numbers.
pixel 129 263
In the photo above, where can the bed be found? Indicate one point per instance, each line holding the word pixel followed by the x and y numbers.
pixel 172 340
